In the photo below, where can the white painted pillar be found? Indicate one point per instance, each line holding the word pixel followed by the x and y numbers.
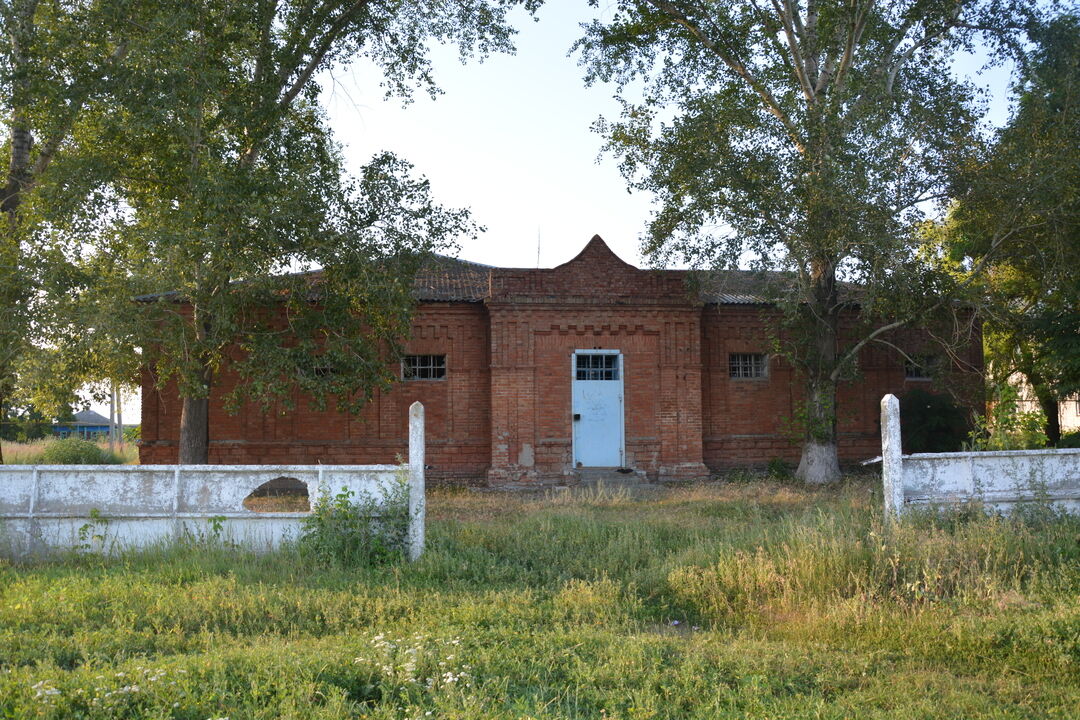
pixel 119 417
pixel 417 504
pixel 112 418
pixel 892 465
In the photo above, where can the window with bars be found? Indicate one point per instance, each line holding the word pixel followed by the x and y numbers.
pixel 919 367
pixel 596 367
pixel 423 367
pixel 743 366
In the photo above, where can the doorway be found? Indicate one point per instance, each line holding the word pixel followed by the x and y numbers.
pixel 597 407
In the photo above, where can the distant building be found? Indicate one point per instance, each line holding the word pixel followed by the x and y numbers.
pixel 87 424
pixel 536 374
pixel 1070 414
pixel 1068 409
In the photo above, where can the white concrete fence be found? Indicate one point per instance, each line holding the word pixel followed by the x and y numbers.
pixel 1000 480
pixel 116 507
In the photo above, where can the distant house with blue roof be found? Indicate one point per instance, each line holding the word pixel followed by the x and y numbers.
pixel 87 424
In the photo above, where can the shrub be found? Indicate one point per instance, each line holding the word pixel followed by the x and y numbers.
pixel 1006 427
pixel 1070 440
pixel 364 531
pixel 780 470
pixel 76 451
pixel 931 423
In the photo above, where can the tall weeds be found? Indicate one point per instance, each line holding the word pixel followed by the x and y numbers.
pixel 743 601
pixel 950 557
pixel 32 453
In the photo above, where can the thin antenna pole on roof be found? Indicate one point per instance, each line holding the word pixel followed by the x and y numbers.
pixel 537 246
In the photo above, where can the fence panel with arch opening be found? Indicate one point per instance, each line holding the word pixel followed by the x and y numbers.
pixel 110 508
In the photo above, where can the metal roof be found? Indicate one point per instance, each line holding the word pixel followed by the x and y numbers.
pixel 87 417
pixel 447 279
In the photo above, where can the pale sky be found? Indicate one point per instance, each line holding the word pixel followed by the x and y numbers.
pixel 509 139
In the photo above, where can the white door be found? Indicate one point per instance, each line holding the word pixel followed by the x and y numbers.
pixel 598 408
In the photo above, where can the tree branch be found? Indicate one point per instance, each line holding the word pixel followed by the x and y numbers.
pixel 855 31
pixel 293 65
pixel 320 52
pixel 78 99
pixel 893 65
pixel 801 76
pixel 767 20
pixel 975 272
pixel 736 66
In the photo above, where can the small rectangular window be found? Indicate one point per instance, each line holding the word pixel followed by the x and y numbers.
pixel 597 367
pixel 919 367
pixel 748 365
pixel 423 367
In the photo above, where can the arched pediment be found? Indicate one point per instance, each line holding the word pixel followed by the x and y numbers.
pixel 596 276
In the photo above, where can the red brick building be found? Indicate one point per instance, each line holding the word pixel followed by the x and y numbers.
pixel 531 374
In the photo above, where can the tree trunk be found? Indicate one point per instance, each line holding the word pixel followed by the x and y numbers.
pixel 21 36
pixel 1050 408
pixel 21 139
pixel 820 462
pixel 1047 402
pixel 18 167
pixel 195 426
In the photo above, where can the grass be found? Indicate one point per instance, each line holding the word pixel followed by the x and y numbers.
pixel 755 600
pixel 30 453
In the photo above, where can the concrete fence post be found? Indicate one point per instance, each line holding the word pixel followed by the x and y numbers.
pixel 417 504
pixel 892 464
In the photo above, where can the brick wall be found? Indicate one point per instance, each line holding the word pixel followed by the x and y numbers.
pixel 457 412
pixel 531 370
pixel 504 411
pixel 595 301
pixel 752 421
pixel 749 420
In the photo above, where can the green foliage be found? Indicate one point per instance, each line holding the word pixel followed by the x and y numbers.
pixel 811 137
pixel 1018 213
pixel 359 532
pixel 94 535
pixel 33 453
pixel 76 451
pixel 1070 440
pixel 745 601
pixel 932 422
pixel 23 424
pixel 59 65
pixel 780 470
pixel 188 162
pixel 1006 427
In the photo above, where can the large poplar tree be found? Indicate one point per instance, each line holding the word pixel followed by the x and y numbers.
pixel 815 134
pixel 222 186
pixel 58 63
